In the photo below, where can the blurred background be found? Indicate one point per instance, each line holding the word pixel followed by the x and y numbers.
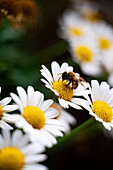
pixel 24 50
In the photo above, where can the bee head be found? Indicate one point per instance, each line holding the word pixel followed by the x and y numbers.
pixel 65 76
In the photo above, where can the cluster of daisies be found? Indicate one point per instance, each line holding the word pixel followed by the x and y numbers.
pixel 90 39
pixel 42 121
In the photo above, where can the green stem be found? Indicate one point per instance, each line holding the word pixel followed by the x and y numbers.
pixel 73 136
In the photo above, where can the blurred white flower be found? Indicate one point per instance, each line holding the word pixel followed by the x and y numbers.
pixel 37 117
pixel 16 153
pixel 72 26
pixel 104 37
pixel 86 54
pixel 87 10
pixel 65 117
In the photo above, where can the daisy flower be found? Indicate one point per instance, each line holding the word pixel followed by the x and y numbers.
pixel 16 153
pixel 65 94
pixel 88 10
pixel 101 103
pixel 65 117
pixel 85 52
pixel 4 116
pixel 72 26
pixel 104 37
pixel 37 117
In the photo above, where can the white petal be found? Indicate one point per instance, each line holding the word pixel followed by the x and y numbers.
pixel 92 69
pixel 75 106
pixel 55 70
pixel 53 122
pixel 47 74
pixel 110 79
pixel 46 83
pixel 39 97
pixel 63 103
pixel 64 67
pixel 23 96
pixel 35 158
pixel 6 137
pixel 10 108
pixel 46 104
pixel 95 90
pixel 82 103
pixel 5 101
pixel 51 113
pixel 33 148
pixel 17 136
pixel 4 125
pixel 17 101
pixel 2 142
pixel 54 131
pixel 30 92
pixel 49 139
pixel 104 89
pixel 9 118
pixel 35 167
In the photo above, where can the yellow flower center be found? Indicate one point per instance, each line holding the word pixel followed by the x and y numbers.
pixel 103 110
pixel 104 43
pixel 84 53
pixel 11 159
pixel 1 112
pixel 34 116
pixel 65 92
pixel 75 31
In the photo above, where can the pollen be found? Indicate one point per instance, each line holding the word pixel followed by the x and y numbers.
pixel 75 31
pixel 84 53
pixel 103 110
pixel 34 116
pixel 1 112
pixel 65 92
pixel 104 43
pixel 11 158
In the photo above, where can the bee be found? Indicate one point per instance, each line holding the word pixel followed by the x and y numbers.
pixel 71 77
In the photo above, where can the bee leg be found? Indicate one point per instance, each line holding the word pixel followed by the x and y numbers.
pixel 68 84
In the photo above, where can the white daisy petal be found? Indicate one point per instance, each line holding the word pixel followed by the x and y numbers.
pixel 55 70
pixel 4 125
pixel 9 108
pixel 95 89
pixel 63 103
pixel 33 158
pixel 17 101
pixel 2 142
pixel 30 91
pixel 17 135
pixel 46 104
pixel 6 136
pixel 54 131
pixel 23 96
pixel 51 113
pixel 5 101
pixel 9 118
pixel 35 167
pixel 47 73
pixel 40 98
pixel 104 89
